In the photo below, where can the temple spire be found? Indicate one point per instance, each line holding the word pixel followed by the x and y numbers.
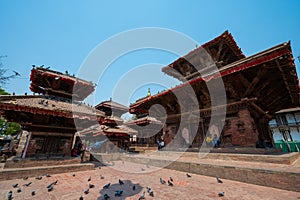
pixel 149 93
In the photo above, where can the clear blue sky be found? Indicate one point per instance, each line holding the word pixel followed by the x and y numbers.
pixel 61 34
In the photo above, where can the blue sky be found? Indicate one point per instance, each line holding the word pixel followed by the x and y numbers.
pixel 61 34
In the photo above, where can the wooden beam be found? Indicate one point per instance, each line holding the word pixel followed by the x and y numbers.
pixel 284 78
pixel 219 50
pixel 256 107
pixel 255 81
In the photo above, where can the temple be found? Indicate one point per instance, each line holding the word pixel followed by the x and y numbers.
pixel 51 118
pixel 255 88
pixel 110 135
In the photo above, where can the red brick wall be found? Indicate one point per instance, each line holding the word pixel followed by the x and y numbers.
pixel 241 130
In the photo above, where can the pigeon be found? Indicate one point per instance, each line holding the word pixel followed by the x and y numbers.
pixel 219 180
pixel 106 186
pixel 118 193
pixel 50 185
pixel 80 198
pixel 50 188
pixel 151 193
pixel 142 196
pixel 25 178
pixel 188 175
pixel 221 194
pixel 121 182
pixel 39 178
pixel 90 178
pixel 91 185
pixel 171 179
pixel 162 181
pixel 148 189
pixel 133 187
pixel 86 191
pixel 15 185
pixel 105 197
pixel 48 175
pixel 170 183
pixel 33 193
pixel 27 184
pixel 9 195
pixel 73 175
pixel 19 190
pixel 17 73
pixel 101 177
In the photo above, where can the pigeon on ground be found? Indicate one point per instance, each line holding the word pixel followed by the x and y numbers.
pixel 73 175
pixel 171 179
pixel 50 188
pixel 148 189
pixel 25 178
pixel 219 180
pixel 9 195
pixel 133 187
pixel 170 183
pixel 39 178
pixel 162 181
pixel 151 193
pixel 106 186
pixel 101 177
pixel 33 193
pixel 142 196
pixel 90 178
pixel 27 184
pixel 221 194
pixel 105 197
pixel 80 198
pixel 121 182
pixel 86 191
pixel 19 190
pixel 15 185
pixel 91 185
pixel 48 175
pixel 118 193
pixel 50 185
pixel 188 175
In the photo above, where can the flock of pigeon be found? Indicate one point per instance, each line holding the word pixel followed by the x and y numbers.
pixel 33 193
pixel 118 193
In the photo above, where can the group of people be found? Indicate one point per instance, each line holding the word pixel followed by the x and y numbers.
pixel 213 141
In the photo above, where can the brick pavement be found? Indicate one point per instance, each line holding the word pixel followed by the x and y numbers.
pixel 194 188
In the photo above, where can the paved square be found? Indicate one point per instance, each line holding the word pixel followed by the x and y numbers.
pixel 197 187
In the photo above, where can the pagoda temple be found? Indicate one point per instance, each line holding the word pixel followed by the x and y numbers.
pixel 256 87
pixel 52 117
pixel 110 135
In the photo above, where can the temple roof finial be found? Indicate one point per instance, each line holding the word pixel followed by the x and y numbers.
pixel 149 93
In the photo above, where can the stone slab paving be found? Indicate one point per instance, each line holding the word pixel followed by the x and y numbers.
pixel 197 187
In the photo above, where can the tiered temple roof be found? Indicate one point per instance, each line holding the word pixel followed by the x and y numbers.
pixel 218 52
pixel 46 81
pixel 254 76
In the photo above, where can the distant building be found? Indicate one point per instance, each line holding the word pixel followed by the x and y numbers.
pixel 286 125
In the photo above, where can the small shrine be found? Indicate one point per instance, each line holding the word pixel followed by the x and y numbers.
pixel 110 135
